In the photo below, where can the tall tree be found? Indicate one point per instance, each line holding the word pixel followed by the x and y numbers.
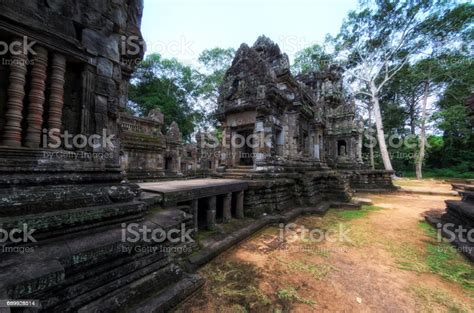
pixel 168 85
pixel 377 41
pixel 214 63
pixel 313 58
pixel 451 23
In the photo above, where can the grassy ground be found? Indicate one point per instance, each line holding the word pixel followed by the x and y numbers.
pixel 391 262
pixel 441 174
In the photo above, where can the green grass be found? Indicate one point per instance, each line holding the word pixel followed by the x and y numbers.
pixel 444 260
pixel 237 284
pixel 409 257
pixel 429 230
pixel 429 300
pixel 290 294
pixel 441 173
pixel 439 258
pixel 348 215
pixel 317 271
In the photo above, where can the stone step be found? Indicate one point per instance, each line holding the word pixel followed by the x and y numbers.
pixel 238 170
pixel 462 208
pixel 234 176
pixel 467 196
pixel 139 291
pixel 107 282
pixel 463 187
pixel 171 296
pixel 243 166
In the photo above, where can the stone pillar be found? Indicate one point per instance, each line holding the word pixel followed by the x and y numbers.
pixel 194 210
pixel 56 99
pixel 226 211
pixel 16 94
pixel 239 210
pixel 211 213
pixel 36 96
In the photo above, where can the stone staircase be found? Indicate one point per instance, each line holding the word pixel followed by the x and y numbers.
pixel 238 172
pixel 459 214
pixel 81 262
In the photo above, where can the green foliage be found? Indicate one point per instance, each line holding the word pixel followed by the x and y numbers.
pixel 181 92
pixel 314 58
pixel 437 65
pixel 168 85
pixel 215 62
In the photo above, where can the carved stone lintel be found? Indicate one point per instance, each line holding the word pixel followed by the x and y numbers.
pixel 36 97
pixel 56 100
pixel 16 94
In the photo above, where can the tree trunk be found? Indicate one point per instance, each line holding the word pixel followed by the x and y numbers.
pixel 380 132
pixel 422 141
pixel 371 147
pixel 412 117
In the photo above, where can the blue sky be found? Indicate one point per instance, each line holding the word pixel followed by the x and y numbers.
pixel 183 28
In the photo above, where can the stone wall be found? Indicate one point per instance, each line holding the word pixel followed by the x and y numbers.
pixel 75 77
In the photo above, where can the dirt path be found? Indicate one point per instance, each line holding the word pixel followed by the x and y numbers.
pixel 386 264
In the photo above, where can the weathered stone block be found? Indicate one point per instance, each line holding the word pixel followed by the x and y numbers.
pixel 105 86
pixel 105 67
pixel 99 44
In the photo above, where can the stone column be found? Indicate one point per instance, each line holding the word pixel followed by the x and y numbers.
pixel 239 210
pixel 36 96
pixel 16 94
pixel 56 99
pixel 226 211
pixel 211 213
pixel 194 210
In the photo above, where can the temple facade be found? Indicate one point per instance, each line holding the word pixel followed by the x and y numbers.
pixel 288 121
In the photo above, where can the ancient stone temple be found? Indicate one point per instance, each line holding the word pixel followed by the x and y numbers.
pixel 277 126
pixel 71 155
pixel 63 84
pixel 147 153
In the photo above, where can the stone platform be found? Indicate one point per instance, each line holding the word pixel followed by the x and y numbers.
pixel 215 200
pixel 185 190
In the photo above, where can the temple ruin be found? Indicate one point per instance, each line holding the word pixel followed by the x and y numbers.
pixel 288 142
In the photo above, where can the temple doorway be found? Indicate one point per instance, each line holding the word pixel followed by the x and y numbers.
pixel 244 149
